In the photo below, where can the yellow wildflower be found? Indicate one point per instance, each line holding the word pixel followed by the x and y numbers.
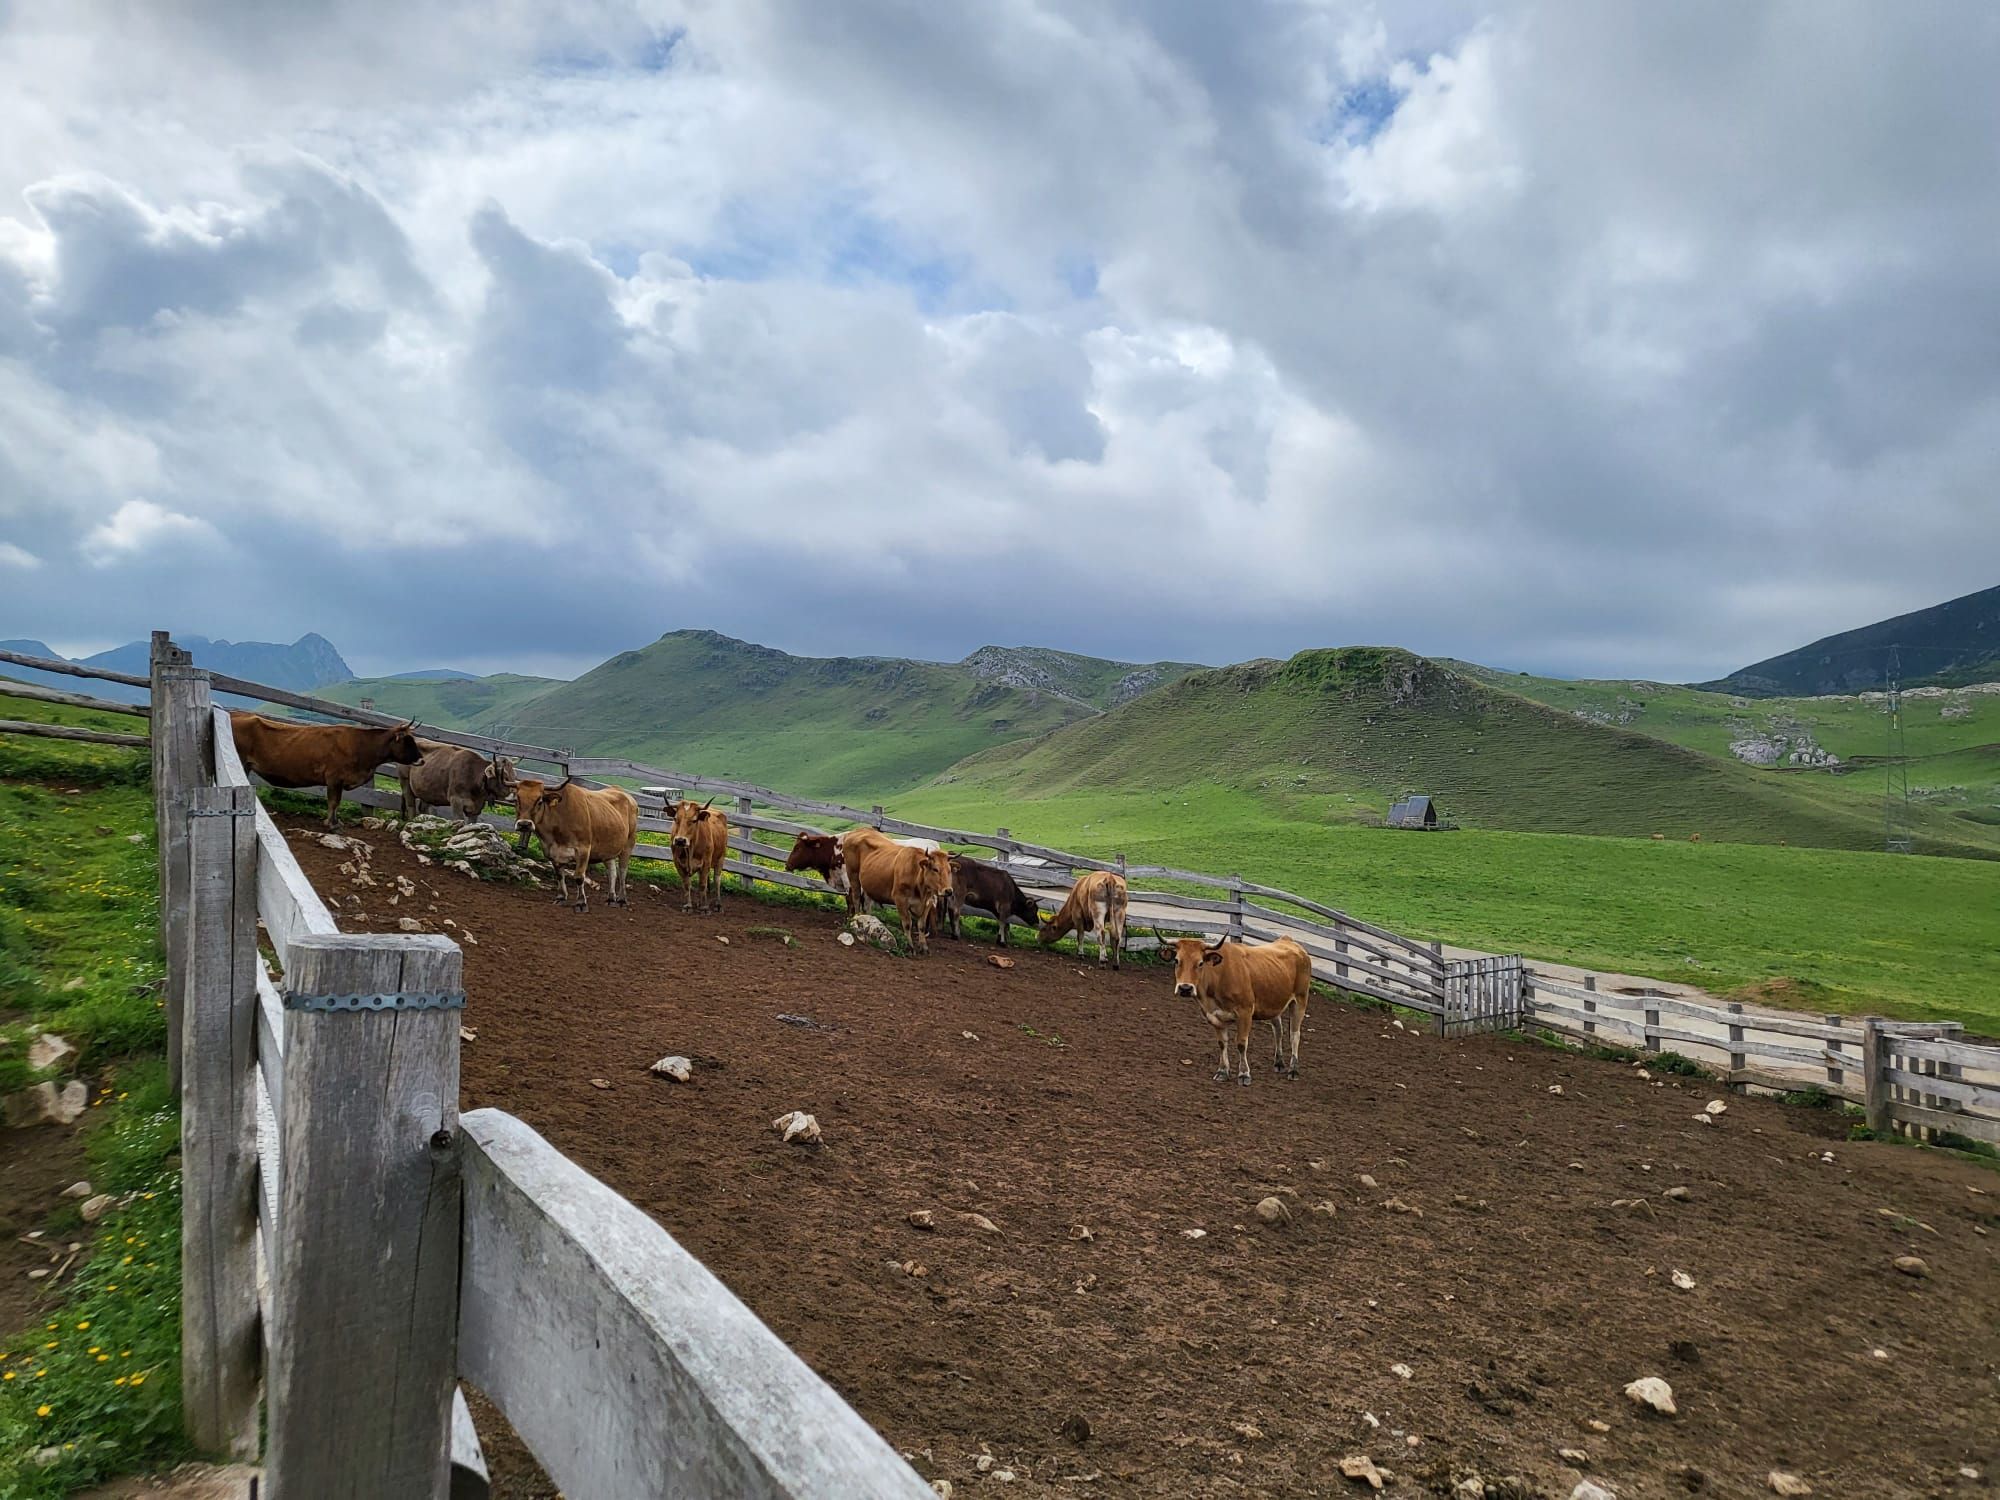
pixel 42 1410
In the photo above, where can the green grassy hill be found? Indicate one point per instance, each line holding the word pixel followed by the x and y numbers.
pixel 1331 737
pixel 854 727
pixel 469 703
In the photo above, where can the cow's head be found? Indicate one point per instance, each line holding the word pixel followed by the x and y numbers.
pixel 402 746
pixel 687 817
pixel 497 781
pixel 934 875
pixel 1190 954
pixel 528 796
pixel 812 851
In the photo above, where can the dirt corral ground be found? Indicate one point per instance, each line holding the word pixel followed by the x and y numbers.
pixel 1479 1308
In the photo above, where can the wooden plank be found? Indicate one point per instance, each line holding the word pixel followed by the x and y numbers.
pixel 1874 1083
pixel 1978 1127
pixel 39 694
pixel 620 1359
pixel 1943 1086
pixel 180 734
pixel 1788 1082
pixel 219 1316
pixel 286 902
pixel 270 1174
pixel 270 1035
pixel 369 1213
pixel 1326 952
pixel 71 732
pixel 1564 1017
pixel 76 669
pixel 1963 1054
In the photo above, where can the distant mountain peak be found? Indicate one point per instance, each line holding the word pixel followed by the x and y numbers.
pixel 1951 643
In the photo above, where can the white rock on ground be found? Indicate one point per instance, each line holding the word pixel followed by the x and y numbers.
pixel 48 1049
pixel 78 1190
pixel 1652 1393
pixel 680 1069
pixel 797 1125
pixel 96 1208
pixel 1589 1490
pixel 45 1104
pixel 1782 1483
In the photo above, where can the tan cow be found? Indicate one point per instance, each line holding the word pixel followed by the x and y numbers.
pixel 700 843
pixel 455 777
pixel 912 879
pixel 1237 985
pixel 581 826
pixel 1096 903
pixel 338 757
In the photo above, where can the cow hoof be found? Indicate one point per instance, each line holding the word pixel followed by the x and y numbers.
pixel 1222 1075
pixel 1244 1079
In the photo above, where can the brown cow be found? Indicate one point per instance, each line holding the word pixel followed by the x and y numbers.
pixel 338 757
pixel 911 878
pixel 455 777
pixel 581 826
pixel 820 853
pixel 1237 985
pixel 700 843
pixel 978 886
pixel 1096 903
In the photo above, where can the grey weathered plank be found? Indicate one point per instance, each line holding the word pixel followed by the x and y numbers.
pixel 222 743
pixel 621 1360
pixel 469 1479
pixel 77 669
pixel 367 1259
pixel 70 732
pixel 40 694
pixel 1980 1099
pixel 219 1316
pixel 1978 1127
pixel 1964 1054
pixel 180 736
pixel 290 908
pixel 270 1036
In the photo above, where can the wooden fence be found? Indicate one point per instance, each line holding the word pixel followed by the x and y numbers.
pixel 352 1247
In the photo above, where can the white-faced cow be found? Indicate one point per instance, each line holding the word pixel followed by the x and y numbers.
pixel 452 776
pixel 1096 903
pixel 820 853
pixel 581 826
pixel 1237 985
pixel 338 757
pixel 700 843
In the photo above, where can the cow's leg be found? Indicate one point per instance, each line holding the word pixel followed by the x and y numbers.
pixel 716 876
pixel 409 800
pixel 1222 1036
pixel 1243 1025
pixel 333 805
pixel 1278 1023
pixel 1118 944
pixel 1298 1030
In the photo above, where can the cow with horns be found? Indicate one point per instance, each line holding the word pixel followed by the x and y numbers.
pixel 338 757
pixel 580 826
pixel 1237 985
pixel 700 843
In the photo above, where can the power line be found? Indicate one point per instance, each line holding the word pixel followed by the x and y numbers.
pixel 1898 831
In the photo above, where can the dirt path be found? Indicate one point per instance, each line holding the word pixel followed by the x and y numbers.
pixel 1520 1299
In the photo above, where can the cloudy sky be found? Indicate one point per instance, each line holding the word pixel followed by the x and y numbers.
pixel 1629 340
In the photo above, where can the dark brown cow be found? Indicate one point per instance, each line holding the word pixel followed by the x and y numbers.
pixel 580 826
pixel 452 776
pixel 820 853
pixel 1096 903
pixel 1238 985
pixel 338 757
pixel 910 878
pixel 978 886
pixel 700 843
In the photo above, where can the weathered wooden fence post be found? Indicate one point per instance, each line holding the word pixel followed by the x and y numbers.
pixel 1652 1042
pixel 1874 1075
pixel 1836 1071
pixel 1001 854
pixel 181 730
pixel 1737 1059
pixel 366 1280
pixel 1236 905
pixel 220 1353
pixel 1590 1006
pixel 1340 962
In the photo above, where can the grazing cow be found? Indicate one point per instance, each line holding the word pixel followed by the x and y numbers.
pixel 338 757
pixel 820 853
pixel 452 776
pixel 1237 985
pixel 700 843
pixel 978 886
pixel 581 826
pixel 870 838
pixel 912 879
pixel 1096 903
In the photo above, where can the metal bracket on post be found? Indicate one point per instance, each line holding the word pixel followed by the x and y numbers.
pixel 406 1000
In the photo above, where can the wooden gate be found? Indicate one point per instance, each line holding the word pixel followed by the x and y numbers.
pixel 1482 994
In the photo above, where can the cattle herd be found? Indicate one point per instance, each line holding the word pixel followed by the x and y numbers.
pixel 930 888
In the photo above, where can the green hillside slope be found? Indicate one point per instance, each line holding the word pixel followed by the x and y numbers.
pixel 472 703
pixel 853 727
pixel 1334 736
pixel 1954 642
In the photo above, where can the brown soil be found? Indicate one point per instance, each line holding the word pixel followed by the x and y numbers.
pixel 1241 1362
pixel 36 1164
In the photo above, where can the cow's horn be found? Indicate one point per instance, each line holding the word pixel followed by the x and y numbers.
pixel 1212 947
pixel 708 804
